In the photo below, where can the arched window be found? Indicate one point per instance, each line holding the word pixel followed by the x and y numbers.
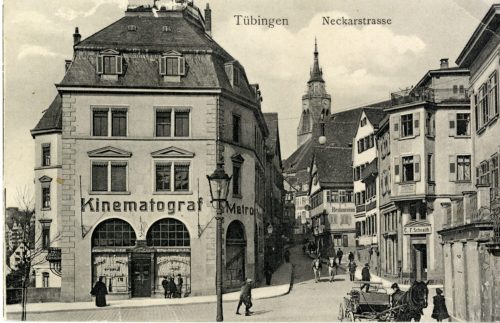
pixel 168 233
pixel 113 233
pixel 235 232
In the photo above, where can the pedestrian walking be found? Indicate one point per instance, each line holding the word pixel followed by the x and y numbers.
pixel 287 255
pixel 245 297
pixel 440 312
pixel 99 291
pixel 332 268
pixel 351 256
pixel 268 273
pixel 304 248
pixel 164 284
pixel 172 288
pixel 316 267
pixel 352 269
pixel 339 255
pixel 178 285
pixel 365 276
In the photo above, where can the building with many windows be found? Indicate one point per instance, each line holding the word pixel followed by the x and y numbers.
pixel 471 237
pixel 146 108
pixel 431 153
pixel 365 178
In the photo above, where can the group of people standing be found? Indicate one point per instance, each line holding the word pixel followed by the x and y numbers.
pixel 172 287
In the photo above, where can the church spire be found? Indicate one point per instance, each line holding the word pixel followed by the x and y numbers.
pixel 316 72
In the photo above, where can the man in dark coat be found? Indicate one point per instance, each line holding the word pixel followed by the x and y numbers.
pixel 351 256
pixel 365 276
pixel 164 284
pixel 172 288
pixel 339 255
pixel 179 283
pixel 396 295
pixel 440 312
pixel 268 272
pixel 99 291
pixel 352 269
pixel 245 297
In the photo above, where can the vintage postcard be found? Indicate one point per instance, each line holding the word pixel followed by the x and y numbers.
pixel 251 160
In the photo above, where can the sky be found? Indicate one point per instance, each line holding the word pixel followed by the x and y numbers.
pixel 361 64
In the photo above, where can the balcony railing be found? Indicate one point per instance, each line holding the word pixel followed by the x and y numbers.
pixel 428 94
pixel 371 205
pixel 360 208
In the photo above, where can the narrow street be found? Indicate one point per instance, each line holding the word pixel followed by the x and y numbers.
pixel 308 301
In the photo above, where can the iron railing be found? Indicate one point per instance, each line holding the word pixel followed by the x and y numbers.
pixel 428 94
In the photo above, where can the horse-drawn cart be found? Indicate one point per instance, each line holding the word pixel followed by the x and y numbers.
pixel 375 305
pixel 372 305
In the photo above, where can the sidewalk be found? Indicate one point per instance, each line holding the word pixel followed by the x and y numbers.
pixel 280 286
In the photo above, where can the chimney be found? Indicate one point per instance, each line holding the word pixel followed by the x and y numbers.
pixel 444 63
pixel 208 20
pixel 67 64
pixel 76 36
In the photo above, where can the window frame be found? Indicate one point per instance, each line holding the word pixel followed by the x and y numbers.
pixel 403 169
pixel 173 110
pixel 163 65
pixel 109 109
pixel 118 62
pixel 109 164
pixel 173 163
pixel 404 125
pixel 46 158
pixel 236 131
pixel 458 120
pixel 236 180
pixel 46 197
pixel 469 163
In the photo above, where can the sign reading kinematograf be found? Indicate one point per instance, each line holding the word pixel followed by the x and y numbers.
pixel 97 205
pixel 417 228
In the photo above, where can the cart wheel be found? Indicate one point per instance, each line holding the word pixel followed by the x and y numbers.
pixel 341 312
pixel 351 317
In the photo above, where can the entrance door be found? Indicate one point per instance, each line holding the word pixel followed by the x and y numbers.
pixel 420 262
pixel 141 278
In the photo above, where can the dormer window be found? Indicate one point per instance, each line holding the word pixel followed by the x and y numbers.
pixel 172 64
pixel 234 73
pixel 109 62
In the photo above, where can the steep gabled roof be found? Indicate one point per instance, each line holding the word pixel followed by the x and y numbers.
pixel 374 115
pixel 334 166
pixel 51 120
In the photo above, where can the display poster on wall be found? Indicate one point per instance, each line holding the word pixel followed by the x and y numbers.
pixel 114 269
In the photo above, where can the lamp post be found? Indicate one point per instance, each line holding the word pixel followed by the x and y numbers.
pixel 219 188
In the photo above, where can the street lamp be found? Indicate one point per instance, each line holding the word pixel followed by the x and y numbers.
pixel 219 189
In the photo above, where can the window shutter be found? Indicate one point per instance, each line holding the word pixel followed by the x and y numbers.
pixel 477 176
pixel 476 110
pixel 416 168
pixel 453 168
pixel 452 124
pixel 119 64
pixel 396 170
pixel 416 123
pixel 395 127
pixel 433 132
pixel 99 64
pixel 163 65
pixel 182 66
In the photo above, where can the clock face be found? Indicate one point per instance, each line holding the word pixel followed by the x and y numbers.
pixel 325 103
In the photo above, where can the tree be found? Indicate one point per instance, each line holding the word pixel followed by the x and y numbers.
pixel 34 253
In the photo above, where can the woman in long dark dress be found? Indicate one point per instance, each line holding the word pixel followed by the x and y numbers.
pixel 99 291
pixel 440 312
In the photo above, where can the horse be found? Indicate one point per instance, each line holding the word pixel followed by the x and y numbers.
pixel 410 303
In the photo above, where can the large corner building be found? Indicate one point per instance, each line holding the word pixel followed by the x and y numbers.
pixel 145 109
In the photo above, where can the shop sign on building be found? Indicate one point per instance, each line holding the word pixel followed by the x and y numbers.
pixel 417 228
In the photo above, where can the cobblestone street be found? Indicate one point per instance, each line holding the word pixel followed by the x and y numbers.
pixel 308 301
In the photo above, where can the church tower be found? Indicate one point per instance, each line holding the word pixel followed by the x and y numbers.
pixel 315 101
